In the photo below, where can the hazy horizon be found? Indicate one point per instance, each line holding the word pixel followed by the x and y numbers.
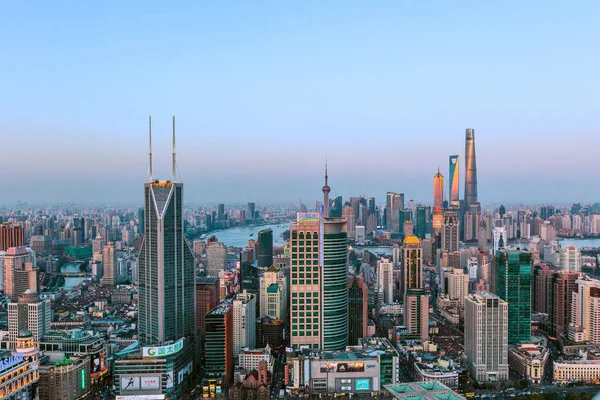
pixel 263 94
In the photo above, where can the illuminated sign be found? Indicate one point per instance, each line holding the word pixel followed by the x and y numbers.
pixel 308 216
pixel 143 397
pixel 83 378
pixel 342 367
pixel 130 383
pixel 150 383
pixel 163 351
pixel 8 362
pixel 362 384
pixel 371 365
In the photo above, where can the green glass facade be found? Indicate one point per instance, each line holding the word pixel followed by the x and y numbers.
pixel 421 222
pixel 334 284
pixel 513 284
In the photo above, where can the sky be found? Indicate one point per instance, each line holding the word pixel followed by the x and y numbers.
pixel 264 91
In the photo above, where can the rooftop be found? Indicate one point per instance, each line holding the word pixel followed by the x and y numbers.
pixel 432 390
pixel 412 240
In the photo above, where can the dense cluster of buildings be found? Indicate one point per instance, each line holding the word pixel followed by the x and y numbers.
pixel 461 295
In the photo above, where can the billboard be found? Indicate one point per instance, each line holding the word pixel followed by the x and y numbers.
pixel 187 370
pixel 342 367
pixel 163 351
pixel 150 383
pixel 308 216
pixel 130 383
pixel 362 384
pixel 169 379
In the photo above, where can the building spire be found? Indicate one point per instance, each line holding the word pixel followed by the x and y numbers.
pixel 150 146
pixel 326 190
pixel 174 165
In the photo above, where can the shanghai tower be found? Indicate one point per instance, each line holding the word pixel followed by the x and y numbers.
pixel 470 169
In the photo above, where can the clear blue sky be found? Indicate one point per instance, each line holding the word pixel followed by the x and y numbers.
pixel 263 91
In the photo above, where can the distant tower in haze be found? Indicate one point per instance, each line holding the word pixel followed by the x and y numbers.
pixel 326 190
pixel 470 169
pixel 438 192
pixel 438 202
pixel 454 181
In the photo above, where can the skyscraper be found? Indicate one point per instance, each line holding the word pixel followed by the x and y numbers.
pixel 11 236
pixel 29 313
pixel 265 248
pixel 109 263
pixel 20 272
pixel 513 285
pixel 486 340
pixel 585 311
pixel 166 264
pixel 450 231
pixel 358 316
pixel 326 189
pixel 470 169
pixel 416 300
pixel 318 256
pixel 438 192
pixel 219 345
pixel 244 322
pixel 454 172
pixel 393 204
pixel 385 280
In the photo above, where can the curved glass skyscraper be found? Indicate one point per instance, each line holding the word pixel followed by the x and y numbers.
pixel 334 284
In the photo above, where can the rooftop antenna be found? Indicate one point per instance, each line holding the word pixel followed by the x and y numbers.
pixel 150 146
pixel 174 149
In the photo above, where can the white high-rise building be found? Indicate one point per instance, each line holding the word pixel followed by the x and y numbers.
pixel 486 337
pixel 583 307
pixel 29 313
pixel 216 257
pixel 385 280
pixel 271 299
pixel 109 262
pixel 577 222
pixel 499 239
pixel 19 271
pixel 458 285
pixel 570 259
pixel 244 322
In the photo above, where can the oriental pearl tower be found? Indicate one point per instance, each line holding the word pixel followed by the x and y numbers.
pixel 326 189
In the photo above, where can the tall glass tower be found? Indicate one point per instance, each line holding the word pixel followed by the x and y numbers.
pixel 454 173
pixel 166 265
pixel 470 169
pixel 513 284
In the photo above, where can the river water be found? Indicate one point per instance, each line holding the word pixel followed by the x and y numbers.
pixel 71 282
pixel 238 237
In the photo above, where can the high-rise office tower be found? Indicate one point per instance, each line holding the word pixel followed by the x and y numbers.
pixel 499 239
pixel 438 202
pixel 79 226
pixel 220 211
pixel 109 263
pixel 219 344
pixel 570 259
pixel 244 322
pixel 562 284
pixel 421 222
pixel 470 169
pixel 385 280
pixel 486 339
pixel 450 231
pixel 11 236
pixel 458 285
pixel 350 217
pixel 216 258
pixel 393 204
pixel 454 172
pixel 584 310
pixel 29 313
pixel 20 272
pixel 326 189
pixel 438 192
pixel 416 300
pixel 318 293
pixel 98 244
pixel 265 248
pixel 251 210
pixel 513 285
pixel 358 316
pixel 207 298
pixel 335 211
pixel 166 265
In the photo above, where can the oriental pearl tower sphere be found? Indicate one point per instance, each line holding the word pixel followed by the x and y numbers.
pixel 326 189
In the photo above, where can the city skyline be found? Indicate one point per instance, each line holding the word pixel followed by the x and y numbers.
pixel 240 78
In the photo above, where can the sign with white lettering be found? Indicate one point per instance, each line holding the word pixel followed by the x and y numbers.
pixel 8 362
pixel 163 351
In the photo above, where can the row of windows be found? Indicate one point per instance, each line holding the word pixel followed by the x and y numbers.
pixel 296 235
pixel 300 307
pixel 302 294
pixel 308 314
pixel 295 327
pixel 302 301
pixel 314 261
pixel 308 320
pixel 308 275
pixel 308 256
pixel 303 282
pixel 308 249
